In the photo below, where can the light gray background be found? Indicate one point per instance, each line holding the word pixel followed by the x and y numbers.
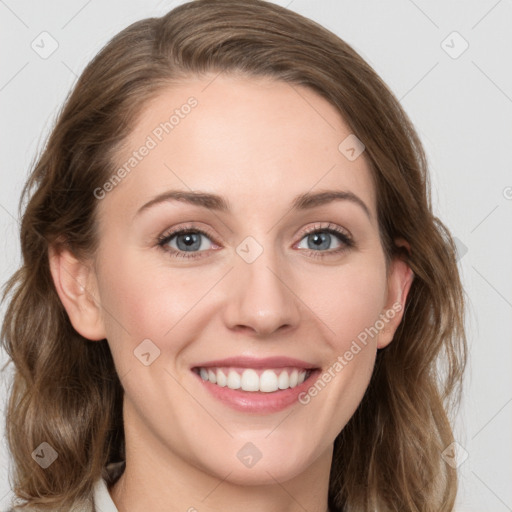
pixel 462 108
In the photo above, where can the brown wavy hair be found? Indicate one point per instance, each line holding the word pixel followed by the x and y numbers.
pixel 65 390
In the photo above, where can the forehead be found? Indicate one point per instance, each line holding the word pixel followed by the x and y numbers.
pixel 257 141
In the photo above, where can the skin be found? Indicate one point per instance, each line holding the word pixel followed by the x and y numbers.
pixel 258 143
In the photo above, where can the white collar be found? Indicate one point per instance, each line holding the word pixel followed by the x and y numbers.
pixel 102 500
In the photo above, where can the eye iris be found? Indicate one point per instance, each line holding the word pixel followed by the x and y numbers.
pixel 190 240
pixel 321 241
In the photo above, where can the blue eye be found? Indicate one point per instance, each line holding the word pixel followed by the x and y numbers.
pixel 185 240
pixel 190 242
pixel 321 239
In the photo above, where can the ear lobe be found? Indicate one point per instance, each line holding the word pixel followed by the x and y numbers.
pixel 76 286
pixel 400 278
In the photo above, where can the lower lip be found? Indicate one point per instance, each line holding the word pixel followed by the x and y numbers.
pixel 258 401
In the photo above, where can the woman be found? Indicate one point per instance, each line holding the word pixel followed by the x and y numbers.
pixel 234 290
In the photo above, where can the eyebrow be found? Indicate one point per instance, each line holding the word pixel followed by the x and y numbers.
pixel 218 203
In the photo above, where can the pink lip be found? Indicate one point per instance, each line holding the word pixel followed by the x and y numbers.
pixel 258 402
pixel 254 362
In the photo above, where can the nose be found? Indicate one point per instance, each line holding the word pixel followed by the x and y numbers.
pixel 261 298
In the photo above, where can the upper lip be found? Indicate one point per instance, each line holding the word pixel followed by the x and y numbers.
pixel 255 362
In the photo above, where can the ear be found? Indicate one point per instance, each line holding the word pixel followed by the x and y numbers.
pixel 77 288
pixel 400 277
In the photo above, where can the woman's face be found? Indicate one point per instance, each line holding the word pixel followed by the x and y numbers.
pixel 287 284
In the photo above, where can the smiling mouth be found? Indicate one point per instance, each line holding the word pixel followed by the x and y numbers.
pixel 265 380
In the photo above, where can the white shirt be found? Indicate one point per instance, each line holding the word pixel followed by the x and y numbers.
pixel 102 500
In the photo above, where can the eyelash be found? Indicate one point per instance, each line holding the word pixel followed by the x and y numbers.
pixel 332 229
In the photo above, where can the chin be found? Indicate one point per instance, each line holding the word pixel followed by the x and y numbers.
pixel 261 462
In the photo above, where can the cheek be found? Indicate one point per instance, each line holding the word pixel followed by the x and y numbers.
pixel 354 297
pixel 146 301
pixel 348 300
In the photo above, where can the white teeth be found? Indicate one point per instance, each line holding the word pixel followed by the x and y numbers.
pixel 284 381
pixel 221 379
pixel 234 381
pixel 250 380
pixel 267 382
